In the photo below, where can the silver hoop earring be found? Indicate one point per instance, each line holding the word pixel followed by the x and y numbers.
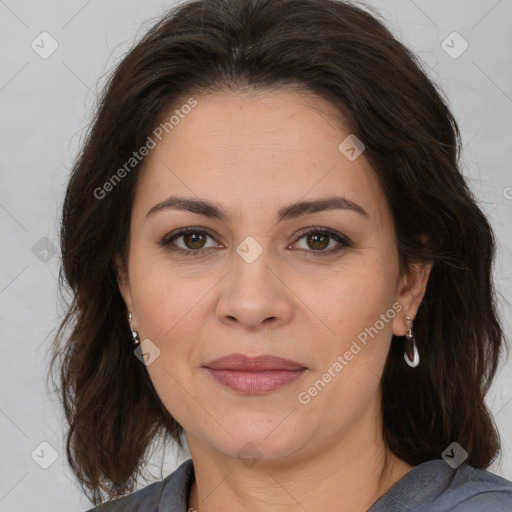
pixel 411 354
pixel 135 334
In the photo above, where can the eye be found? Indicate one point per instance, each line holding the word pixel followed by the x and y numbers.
pixel 193 240
pixel 322 241
pixel 319 241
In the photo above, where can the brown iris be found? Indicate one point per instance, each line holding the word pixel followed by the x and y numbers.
pixel 319 241
pixel 193 240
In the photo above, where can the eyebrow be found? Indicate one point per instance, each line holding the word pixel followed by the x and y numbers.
pixel 215 211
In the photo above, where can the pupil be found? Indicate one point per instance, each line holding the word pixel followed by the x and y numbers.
pixel 193 244
pixel 318 239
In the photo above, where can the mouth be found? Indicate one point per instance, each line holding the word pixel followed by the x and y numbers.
pixel 254 375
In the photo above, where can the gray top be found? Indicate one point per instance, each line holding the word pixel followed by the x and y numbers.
pixel 430 487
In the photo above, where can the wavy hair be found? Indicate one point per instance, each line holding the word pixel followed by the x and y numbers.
pixel 347 56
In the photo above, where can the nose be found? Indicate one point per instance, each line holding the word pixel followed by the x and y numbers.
pixel 254 295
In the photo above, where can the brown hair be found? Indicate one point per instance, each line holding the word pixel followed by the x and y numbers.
pixel 348 57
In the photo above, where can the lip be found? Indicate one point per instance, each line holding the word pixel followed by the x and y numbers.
pixel 254 375
pixel 241 362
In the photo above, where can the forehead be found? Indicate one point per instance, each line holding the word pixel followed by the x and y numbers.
pixel 252 149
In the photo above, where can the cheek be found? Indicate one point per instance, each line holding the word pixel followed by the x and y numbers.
pixel 170 312
pixel 347 378
pixel 164 297
pixel 351 300
pixel 357 307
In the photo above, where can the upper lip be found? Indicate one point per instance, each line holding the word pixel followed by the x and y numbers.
pixel 264 362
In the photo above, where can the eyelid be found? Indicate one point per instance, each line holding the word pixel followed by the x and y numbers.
pixel 319 229
pixel 166 242
pixel 194 229
pixel 342 240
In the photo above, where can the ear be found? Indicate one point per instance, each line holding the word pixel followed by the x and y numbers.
pixel 123 282
pixel 411 291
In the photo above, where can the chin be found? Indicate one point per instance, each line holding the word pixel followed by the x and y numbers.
pixel 254 443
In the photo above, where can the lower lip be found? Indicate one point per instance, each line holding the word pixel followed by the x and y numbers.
pixel 254 383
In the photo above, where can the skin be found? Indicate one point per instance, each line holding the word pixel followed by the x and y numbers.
pixel 253 153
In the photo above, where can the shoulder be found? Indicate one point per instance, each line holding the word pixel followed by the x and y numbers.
pixel 435 487
pixel 170 493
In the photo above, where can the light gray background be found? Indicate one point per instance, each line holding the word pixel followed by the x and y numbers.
pixel 45 105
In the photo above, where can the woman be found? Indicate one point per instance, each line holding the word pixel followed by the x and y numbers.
pixel 272 251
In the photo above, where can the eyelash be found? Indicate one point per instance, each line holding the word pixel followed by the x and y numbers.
pixel 342 240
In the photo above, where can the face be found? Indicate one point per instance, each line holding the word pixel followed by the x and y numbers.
pixel 252 277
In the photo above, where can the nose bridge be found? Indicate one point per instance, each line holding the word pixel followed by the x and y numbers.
pixel 252 277
pixel 253 293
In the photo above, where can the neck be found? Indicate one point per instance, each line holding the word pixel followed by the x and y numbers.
pixel 352 474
